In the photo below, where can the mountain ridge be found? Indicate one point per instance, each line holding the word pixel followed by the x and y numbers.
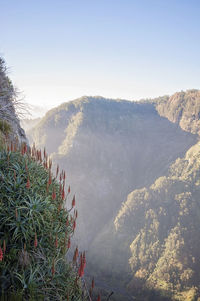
pixel 117 148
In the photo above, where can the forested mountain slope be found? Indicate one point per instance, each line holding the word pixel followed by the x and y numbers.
pixel 182 108
pixel 109 147
pixel 114 149
pixel 161 224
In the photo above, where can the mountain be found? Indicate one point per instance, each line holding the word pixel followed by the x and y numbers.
pixel 135 169
pixel 160 223
pixel 28 123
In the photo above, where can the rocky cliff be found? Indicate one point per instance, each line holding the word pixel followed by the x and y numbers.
pixel 9 121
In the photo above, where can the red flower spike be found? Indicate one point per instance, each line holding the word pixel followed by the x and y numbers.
pixel 4 246
pixel 37 155
pixel 81 267
pixel 74 225
pixel 67 222
pixel 63 193
pixel 76 252
pixel 73 201
pixel 53 268
pixel 64 175
pixel 99 297
pixel 92 283
pixel 28 183
pixel 56 242
pixel 74 257
pixel 80 271
pixel 40 156
pixel 11 147
pixel 81 258
pixel 76 214
pixel 69 189
pixel 57 170
pixel 1 254
pixel 53 194
pixel 84 260
pixel 35 241
pixel 49 181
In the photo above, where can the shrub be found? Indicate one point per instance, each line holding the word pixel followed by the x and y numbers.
pixel 5 127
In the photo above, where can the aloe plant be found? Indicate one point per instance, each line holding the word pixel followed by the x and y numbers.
pixel 35 229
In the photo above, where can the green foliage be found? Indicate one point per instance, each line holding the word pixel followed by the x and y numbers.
pixel 2 139
pixel 5 127
pixel 34 231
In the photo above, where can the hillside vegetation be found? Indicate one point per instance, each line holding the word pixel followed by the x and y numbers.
pixel 144 245
pixel 182 108
pixel 161 225
pixel 109 147
pixel 35 226
pixel 35 230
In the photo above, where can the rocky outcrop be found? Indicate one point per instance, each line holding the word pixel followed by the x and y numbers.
pixel 9 121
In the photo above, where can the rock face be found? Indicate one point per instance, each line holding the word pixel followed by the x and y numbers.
pixel 8 101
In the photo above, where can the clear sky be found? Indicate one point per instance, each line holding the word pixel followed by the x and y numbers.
pixel 58 50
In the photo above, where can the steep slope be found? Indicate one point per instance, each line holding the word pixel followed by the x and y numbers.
pixel 109 147
pixel 35 228
pixel 113 147
pixel 9 121
pixel 182 108
pixel 161 225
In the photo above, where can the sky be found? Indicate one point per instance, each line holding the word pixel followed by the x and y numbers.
pixel 59 50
